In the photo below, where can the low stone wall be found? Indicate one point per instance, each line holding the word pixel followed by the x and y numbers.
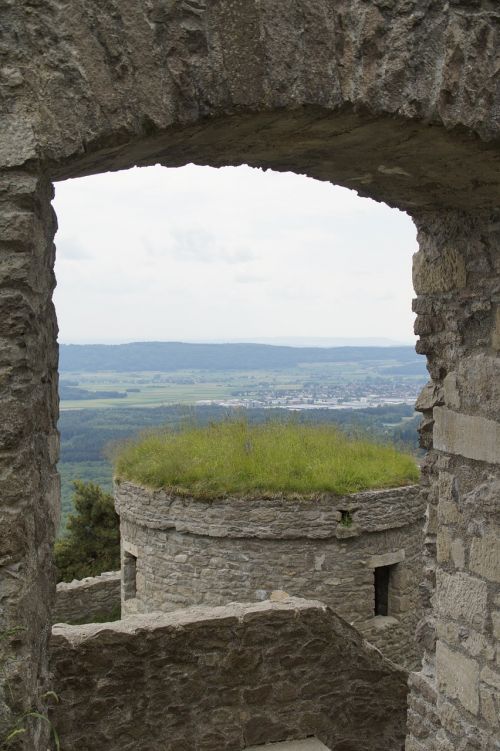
pixel 225 679
pixel 85 600
pixel 185 552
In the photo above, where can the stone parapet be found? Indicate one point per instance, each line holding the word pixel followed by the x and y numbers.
pixel 207 679
pixel 89 599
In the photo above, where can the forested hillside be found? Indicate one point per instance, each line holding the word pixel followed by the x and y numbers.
pixel 171 356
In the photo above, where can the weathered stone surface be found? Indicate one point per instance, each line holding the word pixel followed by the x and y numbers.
pixel 441 271
pixel 462 598
pixel 310 744
pixel 28 481
pixel 473 437
pixel 86 600
pixel 274 517
pixel 464 483
pixel 457 677
pixel 225 678
pixel 398 99
pixel 477 386
pixel 350 86
pixel 191 552
pixel 485 555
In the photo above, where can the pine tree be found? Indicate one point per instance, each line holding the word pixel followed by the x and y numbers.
pixel 92 544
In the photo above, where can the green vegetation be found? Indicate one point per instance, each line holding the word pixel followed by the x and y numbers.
pixel 92 543
pixel 99 472
pixel 236 457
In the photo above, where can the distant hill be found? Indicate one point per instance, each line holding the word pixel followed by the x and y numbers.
pixel 67 391
pixel 171 356
pixel 409 369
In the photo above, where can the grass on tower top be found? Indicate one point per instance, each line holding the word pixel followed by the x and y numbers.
pixel 269 458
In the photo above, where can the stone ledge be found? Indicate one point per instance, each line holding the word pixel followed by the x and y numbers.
pixel 89 581
pixel 386 559
pixel 270 518
pixel 309 744
pixel 379 623
pixel 187 617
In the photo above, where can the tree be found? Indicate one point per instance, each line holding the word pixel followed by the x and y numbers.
pixel 92 544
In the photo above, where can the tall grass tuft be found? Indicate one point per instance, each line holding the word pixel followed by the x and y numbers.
pixel 268 458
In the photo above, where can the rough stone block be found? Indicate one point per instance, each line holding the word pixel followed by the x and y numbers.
pixel 310 744
pixel 444 542
pixel 17 143
pixel 451 393
pixel 484 558
pixel 441 272
pixel 386 559
pixel 457 551
pixel 462 598
pixel 430 396
pixel 473 437
pixel 457 677
pixel 478 379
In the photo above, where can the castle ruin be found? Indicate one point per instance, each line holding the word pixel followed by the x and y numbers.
pixel 397 99
pixel 359 554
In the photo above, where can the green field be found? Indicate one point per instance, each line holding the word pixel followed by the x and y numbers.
pixel 152 393
pixel 155 389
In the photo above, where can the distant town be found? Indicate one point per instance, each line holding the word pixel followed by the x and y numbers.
pixel 356 395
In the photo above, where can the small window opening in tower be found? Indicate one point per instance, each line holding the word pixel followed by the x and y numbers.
pixel 382 577
pixel 129 576
pixel 346 518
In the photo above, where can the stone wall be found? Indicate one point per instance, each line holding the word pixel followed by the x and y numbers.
pixel 29 444
pixel 455 701
pixel 225 679
pixel 188 552
pixel 89 599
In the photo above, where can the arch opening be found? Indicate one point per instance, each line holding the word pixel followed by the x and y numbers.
pixel 87 90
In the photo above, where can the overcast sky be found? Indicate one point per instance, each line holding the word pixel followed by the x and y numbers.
pixel 230 254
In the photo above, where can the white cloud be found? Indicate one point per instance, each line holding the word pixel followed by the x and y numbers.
pixel 198 253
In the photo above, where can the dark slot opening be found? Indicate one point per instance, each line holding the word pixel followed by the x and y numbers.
pixel 346 518
pixel 382 577
pixel 129 576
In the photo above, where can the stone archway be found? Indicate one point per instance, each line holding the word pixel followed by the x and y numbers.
pixel 398 99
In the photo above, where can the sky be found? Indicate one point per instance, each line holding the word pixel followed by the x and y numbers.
pixel 231 254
